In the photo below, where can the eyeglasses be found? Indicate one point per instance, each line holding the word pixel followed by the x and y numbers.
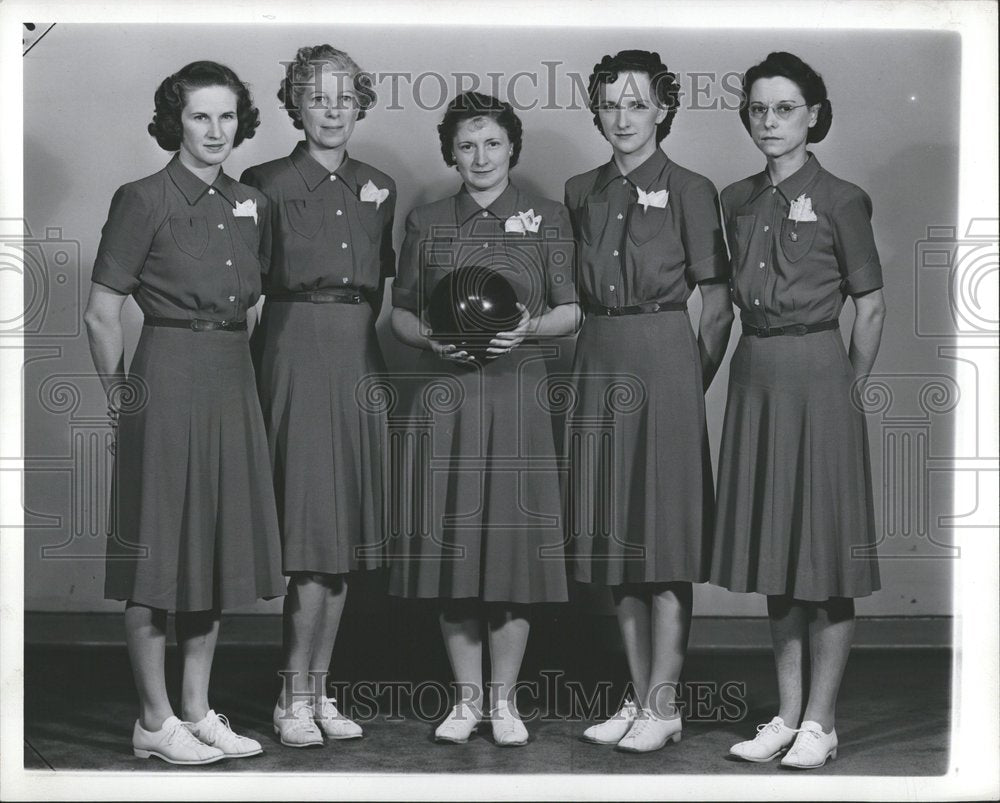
pixel 781 110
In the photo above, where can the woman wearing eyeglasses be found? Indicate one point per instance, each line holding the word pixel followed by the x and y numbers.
pixel 795 513
pixel 330 252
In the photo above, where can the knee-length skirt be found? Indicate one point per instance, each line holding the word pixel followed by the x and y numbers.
pixel 639 498
pixel 477 504
pixel 193 517
pixel 795 513
pixel 319 376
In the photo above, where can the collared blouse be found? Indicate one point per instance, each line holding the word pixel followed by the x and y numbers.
pixel 629 254
pixel 787 272
pixel 456 232
pixel 322 234
pixel 178 246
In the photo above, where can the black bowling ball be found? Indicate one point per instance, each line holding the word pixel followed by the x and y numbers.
pixel 469 306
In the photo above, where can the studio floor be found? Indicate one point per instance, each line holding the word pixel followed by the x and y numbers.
pixel 892 720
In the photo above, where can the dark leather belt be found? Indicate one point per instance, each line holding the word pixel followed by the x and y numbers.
pixel 195 324
pixel 636 309
pixel 345 296
pixel 794 329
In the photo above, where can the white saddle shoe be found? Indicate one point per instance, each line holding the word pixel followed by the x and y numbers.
pixel 459 725
pixel 650 732
pixel 612 730
pixel 812 747
pixel 769 743
pixel 334 724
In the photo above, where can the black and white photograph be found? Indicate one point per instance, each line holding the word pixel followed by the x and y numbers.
pixel 563 401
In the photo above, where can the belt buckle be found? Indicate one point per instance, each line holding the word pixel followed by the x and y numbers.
pixel 198 325
pixel 760 331
pixel 356 298
pixel 797 329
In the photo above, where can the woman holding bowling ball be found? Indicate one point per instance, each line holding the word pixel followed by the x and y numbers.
pixel 482 533
pixel 649 232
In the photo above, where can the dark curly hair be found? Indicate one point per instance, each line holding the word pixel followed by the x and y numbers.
pixel 299 76
pixel 470 105
pixel 173 92
pixel 809 82
pixel 663 83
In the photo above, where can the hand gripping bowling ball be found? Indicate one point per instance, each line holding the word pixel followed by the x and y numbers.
pixel 469 306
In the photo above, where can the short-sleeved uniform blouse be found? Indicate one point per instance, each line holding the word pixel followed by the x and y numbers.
pixel 787 272
pixel 323 236
pixel 628 255
pixel 174 242
pixel 456 232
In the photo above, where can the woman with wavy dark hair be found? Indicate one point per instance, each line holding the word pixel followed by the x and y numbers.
pixel 195 529
pixel 483 535
pixel 640 502
pixel 330 252
pixel 795 512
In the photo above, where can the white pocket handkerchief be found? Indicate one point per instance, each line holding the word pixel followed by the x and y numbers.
pixel 246 208
pixel 523 222
pixel 801 210
pixel 372 194
pixel 648 199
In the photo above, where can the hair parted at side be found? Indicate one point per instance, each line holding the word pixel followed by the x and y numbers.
pixel 810 83
pixel 470 105
pixel 173 92
pixel 663 83
pixel 300 76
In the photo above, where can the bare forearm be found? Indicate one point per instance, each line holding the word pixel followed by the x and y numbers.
pixel 714 326
pixel 408 329
pixel 558 321
pixel 866 337
pixel 107 349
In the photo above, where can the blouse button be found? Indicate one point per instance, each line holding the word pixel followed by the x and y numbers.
pixel 773 190
pixel 619 215
pixel 615 253
pixel 486 245
pixel 333 177
pixel 485 213
pixel 221 226
pixel 211 192
pixel 611 287
pixel 229 263
pixel 624 182
pixel 756 302
pixel 343 245
pixel 232 298
pixel 761 265
pixel 339 212
pixel 345 280
pixel 767 228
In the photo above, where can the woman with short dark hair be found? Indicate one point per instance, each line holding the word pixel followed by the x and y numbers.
pixel 483 534
pixel 795 509
pixel 648 233
pixel 330 252
pixel 195 528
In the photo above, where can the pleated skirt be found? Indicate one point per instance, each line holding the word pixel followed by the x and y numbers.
pixel 477 505
pixel 639 501
pixel 795 513
pixel 193 517
pixel 320 377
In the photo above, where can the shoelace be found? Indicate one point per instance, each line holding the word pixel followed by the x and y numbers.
pixel 769 726
pixel 183 732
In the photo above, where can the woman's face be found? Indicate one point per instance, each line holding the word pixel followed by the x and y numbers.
pixel 329 109
pixel 774 136
pixel 208 126
pixel 482 153
pixel 629 114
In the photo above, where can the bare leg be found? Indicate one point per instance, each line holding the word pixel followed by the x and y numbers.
pixel 463 639
pixel 509 628
pixel 632 606
pixel 671 624
pixel 197 634
pixel 788 634
pixel 146 637
pixel 831 629
pixel 302 614
pixel 326 630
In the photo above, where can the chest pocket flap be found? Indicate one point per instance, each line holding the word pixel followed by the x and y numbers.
pixel 305 216
pixel 190 234
pixel 644 225
pixel 797 238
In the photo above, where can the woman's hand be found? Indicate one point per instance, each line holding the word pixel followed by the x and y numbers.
pixel 505 342
pixel 451 352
